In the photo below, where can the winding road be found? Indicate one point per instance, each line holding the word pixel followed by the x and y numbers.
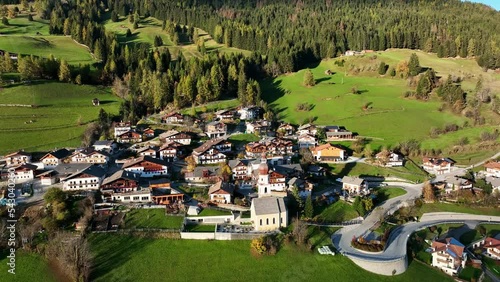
pixel 393 259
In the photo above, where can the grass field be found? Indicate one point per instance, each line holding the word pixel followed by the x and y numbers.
pixel 29 267
pixel 390 118
pixel 124 258
pixel 390 192
pixel 152 218
pixel 213 212
pixel 200 228
pixel 20 36
pixel 336 212
pixel 409 171
pixel 151 27
pixel 60 109
pixel 444 207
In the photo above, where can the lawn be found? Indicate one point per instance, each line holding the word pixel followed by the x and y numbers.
pixel 470 273
pixel 59 119
pixel 213 212
pixel 20 37
pixel 200 228
pixel 336 212
pixel 29 267
pixel 390 118
pixel 492 265
pixel 445 207
pixel 126 258
pixel 152 218
pixel 151 27
pixel 491 231
pixel 409 171
pixel 389 193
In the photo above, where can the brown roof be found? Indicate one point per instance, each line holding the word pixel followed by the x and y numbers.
pixel 208 145
pixel 450 246
pixel 221 188
pixel 492 165
pixel 491 243
pixel 136 161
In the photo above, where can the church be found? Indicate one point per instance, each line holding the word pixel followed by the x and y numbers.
pixel 270 182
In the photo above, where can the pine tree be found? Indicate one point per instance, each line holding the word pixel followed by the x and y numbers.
pixel 64 72
pixel 308 78
pixel 414 65
pixel 382 68
pixel 309 208
pixel 392 72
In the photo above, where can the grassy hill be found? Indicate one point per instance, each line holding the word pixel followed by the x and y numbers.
pixel 25 37
pixel 389 117
pixel 124 258
pixel 29 267
pixel 151 27
pixel 58 120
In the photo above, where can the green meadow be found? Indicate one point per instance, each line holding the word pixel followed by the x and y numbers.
pixel 29 267
pixel 21 37
pixel 59 118
pixel 125 258
pixel 151 27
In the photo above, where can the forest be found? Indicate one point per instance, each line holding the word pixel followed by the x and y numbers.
pixel 284 35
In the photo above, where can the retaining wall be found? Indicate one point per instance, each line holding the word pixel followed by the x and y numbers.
pixel 393 267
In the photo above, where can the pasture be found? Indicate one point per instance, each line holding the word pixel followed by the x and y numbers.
pixel 379 110
pixel 151 27
pixel 29 267
pixel 59 118
pixel 125 258
pixel 32 38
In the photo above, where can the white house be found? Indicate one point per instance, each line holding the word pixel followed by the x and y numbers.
pixel 269 213
pixel 307 141
pixel 89 155
pixel 17 158
pixel 212 152
pixel 89 178
pixel 138 196
pixel 390 159
pixel 249 113
pixel 24 173
pixel 438 165
pixel 307 129
pixel 221 192
pixel 53 159
pixel 454 183
pixel 48 177
pixel 491 248
pixel 105 145
pixel 492 169
pixel 355 185
pixel 216 129
pixel 495 183
pixel 147 166
pixel 449 255
pixel 121 127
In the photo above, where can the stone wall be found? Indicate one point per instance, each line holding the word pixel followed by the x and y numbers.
pixel 383 267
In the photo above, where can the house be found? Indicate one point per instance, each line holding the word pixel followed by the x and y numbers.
pixel 307 141
pixel 285 129
pixel 174 117
pixel 249 113
pixel 120 182
pixel 148 133
pixel 438 165
pixel 495 183
pixel 270 181
pixel 212 151
pixel 89 178
pixel 53 159
pixel 105 145
pixel 183 138
pixel 216 129
pixel 352 53
pixel 221 192
pixel 269 213
pixel 89 155
pixel 304 187
pixel 289 170
pixel 355 185
pixel 389 159
pixel 150 151
pixel 17 158
pixel 129 137
pixel 492 169
pixel 316 170
pixel 448 255
pixel 269 147
pixel 137 196
pixel 121 127
pixel 240 169
pixel 147 166
pixel 169 151
pixel 203 174
pixel 48 178
pixel 163 194
pixel 225 115
pixel 491 248
pixel 307 129
pixel 454 183
pixel 260 127
pixel 328 153
pixel 22 173
pixel 336 133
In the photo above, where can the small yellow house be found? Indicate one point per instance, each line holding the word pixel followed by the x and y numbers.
pixel 328 153
pixel 269 213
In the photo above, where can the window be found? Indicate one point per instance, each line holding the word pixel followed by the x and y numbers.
pixel 274 220
pixel 145 198
pixel 267 221
pixel 261 222
pixel 126 198
pixel 136 198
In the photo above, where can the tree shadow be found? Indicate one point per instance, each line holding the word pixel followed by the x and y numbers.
pixel 272 89
pixel 319 80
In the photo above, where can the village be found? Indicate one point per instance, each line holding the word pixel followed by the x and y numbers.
pixel 215 186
